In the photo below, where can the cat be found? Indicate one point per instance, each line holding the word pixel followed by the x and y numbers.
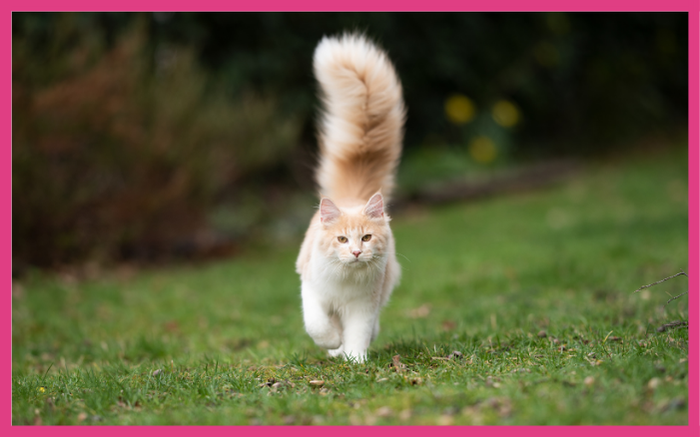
pixel 347 260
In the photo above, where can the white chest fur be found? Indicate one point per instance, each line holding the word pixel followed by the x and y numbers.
pixel 341 305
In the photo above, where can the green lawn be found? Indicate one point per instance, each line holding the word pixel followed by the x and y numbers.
pixel 534 292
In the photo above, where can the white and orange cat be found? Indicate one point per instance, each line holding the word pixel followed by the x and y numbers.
pixel 347 261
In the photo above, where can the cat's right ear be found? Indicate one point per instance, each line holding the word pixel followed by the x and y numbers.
pixel 329 212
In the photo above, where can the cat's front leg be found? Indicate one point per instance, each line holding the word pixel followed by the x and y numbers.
pixel 335 320
pixel 317 321
pixel 359 323
pixel 375 330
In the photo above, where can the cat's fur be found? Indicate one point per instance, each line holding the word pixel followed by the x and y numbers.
pixel 344 284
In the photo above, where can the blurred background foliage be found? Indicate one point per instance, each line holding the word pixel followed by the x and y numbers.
pixel 167 135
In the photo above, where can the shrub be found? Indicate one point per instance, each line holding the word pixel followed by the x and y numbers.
pixel 121 151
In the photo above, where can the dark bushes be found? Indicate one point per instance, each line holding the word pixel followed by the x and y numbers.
pixel 118 156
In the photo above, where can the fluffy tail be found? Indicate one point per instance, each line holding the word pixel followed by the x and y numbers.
pixel 362 126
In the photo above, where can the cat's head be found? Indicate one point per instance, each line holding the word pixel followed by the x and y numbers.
pixel 356 236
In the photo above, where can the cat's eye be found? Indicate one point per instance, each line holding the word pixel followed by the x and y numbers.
pixel 367 237
pixel 343 239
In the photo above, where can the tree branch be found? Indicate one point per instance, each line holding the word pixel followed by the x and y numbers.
pixel 663 280
pixel 672 325
pixel 674 298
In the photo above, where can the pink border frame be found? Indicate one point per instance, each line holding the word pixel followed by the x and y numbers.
pixel 690 6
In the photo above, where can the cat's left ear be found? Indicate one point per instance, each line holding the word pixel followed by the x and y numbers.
pixel 375 206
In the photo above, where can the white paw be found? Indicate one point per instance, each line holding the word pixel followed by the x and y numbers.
pixel 356 357
pixel 336 352
pixel 328 339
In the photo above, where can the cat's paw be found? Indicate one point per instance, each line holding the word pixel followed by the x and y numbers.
pixel 356 357
pixel 336 352
pixel 327 339
pixel 329 343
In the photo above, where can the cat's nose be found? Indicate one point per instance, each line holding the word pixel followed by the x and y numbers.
pixel 356 253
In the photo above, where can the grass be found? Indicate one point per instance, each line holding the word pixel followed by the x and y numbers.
pixel 534 292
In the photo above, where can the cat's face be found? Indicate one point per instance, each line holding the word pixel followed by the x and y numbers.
pixel 355 237
pixel 356 241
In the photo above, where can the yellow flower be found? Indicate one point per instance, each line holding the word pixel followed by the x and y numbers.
pixel 41 389
pixel 459 109
pixel 505 113
pixel 483 149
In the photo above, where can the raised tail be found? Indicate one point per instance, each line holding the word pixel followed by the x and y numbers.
pixel 362 123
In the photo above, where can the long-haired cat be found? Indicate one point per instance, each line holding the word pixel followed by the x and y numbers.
pixel 347 261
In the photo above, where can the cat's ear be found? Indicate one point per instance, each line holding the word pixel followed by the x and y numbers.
pixel 329 212
pixel 375 206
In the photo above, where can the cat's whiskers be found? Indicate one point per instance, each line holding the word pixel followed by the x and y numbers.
pixel 404 256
